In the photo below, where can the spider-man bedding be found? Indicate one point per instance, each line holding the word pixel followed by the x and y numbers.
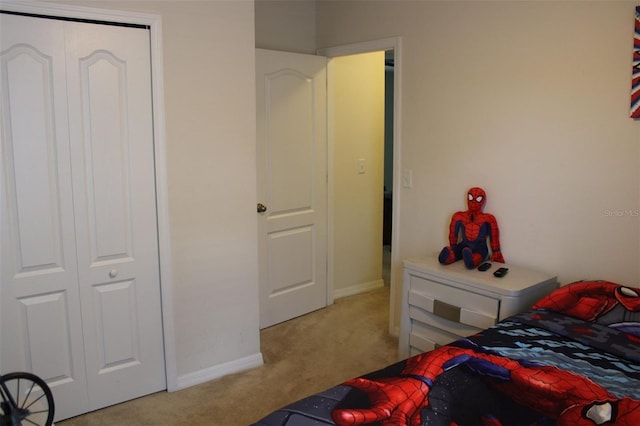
pixel 574 359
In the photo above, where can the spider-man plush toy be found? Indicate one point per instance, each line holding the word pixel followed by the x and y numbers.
pixel 468 233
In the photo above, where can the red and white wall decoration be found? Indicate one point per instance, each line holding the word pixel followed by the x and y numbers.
pixel 635 74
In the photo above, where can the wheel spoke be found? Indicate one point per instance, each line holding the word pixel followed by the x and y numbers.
pixel 26 419
pixel 17 396
pixel 33 402
pixel 26 398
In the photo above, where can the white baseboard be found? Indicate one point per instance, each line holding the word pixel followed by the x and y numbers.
pixel 218 371
pixel 357 288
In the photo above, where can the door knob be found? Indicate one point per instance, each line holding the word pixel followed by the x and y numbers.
pixel 261 208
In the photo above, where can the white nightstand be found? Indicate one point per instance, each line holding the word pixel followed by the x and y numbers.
pixel 442 303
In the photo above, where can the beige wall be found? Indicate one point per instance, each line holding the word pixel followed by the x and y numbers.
pixel 209 75
pixel 529 100
pixel 287 25
pixel 356 116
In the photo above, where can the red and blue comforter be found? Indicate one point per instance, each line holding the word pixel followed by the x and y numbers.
pixel 572 360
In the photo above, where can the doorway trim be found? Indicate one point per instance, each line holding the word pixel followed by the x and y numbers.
pixel 154 22
pixel 391 43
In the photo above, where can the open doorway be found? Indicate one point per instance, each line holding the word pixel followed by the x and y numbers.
pixel 356 109
pixel 387 219
pixel 390 49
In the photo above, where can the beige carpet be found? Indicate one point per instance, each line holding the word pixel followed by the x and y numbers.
pixel 302 356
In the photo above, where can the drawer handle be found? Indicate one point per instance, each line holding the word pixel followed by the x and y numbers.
pixel 446 311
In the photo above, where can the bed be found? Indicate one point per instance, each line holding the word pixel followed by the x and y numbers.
pixel 573 359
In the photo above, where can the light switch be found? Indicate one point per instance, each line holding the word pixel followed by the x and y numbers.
pixel 362 166
pixel 407 178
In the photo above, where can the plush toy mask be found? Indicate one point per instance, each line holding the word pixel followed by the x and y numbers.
pixel 476 200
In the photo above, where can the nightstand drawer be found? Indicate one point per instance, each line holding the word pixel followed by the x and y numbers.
pixel 453 304
pixel 455 328
pixel 425 338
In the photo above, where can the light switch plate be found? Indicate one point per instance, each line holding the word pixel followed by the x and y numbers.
pixel 362 166
pixel 407 178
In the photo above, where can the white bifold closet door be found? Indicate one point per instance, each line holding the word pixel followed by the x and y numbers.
pixel 80 290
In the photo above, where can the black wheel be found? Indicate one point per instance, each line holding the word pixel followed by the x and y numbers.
pixel 32 397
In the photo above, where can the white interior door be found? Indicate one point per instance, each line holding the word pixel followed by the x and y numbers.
pixel 80 273
pixel 41 322
pixel 292 184
pixel 108 70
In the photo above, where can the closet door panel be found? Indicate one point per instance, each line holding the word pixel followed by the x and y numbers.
pixel 33 189
pixel 40 316
pixel 47 321
pixel 111 137
pixel 117 335
pixel 106 146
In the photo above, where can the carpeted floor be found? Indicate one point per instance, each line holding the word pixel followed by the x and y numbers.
pixel 302 356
